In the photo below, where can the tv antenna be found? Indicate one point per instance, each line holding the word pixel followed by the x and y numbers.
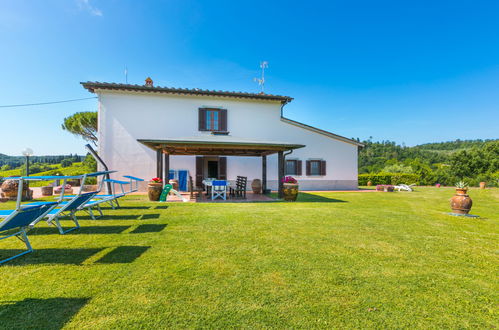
pixel 261 81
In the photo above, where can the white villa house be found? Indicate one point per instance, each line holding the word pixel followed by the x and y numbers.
pixel 146 131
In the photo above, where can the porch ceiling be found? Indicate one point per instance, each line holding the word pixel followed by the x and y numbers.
pixel 221 147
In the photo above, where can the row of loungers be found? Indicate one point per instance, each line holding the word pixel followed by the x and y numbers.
pixel 25 216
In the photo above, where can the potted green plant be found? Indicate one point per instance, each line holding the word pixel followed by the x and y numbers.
pixel 290 188
pixel 461 203
pixel 154 188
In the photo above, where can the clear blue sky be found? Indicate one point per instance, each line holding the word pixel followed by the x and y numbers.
pixel 408 71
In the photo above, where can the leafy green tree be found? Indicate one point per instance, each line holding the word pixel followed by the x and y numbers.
pixel 397 168
pixel 90 162
pixel 82 124
pixel 66 162
pixel 5 167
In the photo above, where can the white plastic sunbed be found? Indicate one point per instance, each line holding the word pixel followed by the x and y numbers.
pixel 404 187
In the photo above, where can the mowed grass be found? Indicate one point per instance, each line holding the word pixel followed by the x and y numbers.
pixel 341 260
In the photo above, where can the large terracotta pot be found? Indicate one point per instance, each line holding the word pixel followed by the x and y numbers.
pixel 482 185
pixel 47 191
pixel 10 187
pixel 154 190
pixel 461 203
pixel 369 183
pixel 290 191
pixel 90 187
pixel 256 186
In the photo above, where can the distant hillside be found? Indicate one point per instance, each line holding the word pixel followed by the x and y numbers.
pixel 453 145
pixel 443 162
pixel 16 161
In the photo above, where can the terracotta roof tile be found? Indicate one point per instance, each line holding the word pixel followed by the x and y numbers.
pixel 91 86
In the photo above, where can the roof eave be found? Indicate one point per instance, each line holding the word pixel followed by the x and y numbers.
pixel 94 87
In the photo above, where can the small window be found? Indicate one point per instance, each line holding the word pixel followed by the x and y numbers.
pixel 293 167
pixel 316 167
pixel 214 120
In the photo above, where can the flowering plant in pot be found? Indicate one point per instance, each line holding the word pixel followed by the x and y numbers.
pixel 290 188
pixel 461 203
pixel 154 189
pixel 156 180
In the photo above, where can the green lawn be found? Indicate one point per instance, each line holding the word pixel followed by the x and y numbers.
pixel 341 260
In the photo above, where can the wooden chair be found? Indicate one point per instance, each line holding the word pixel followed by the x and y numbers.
pixel 239 191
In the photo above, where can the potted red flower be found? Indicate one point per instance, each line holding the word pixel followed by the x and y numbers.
pixel 290 188
pixel 154 189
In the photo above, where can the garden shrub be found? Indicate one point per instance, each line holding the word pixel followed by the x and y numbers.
pixel 388 178
pixel 66 162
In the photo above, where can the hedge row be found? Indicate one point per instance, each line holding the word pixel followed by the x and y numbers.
pixel 388 178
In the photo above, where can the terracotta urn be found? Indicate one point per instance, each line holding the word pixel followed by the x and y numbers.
pixel 482 185
pixel 90 187
pixel 256 185
pixel 461 203
pixel 10 187
pixel 154 190
pixel 369 183
pixel 47 191
pixel 290 191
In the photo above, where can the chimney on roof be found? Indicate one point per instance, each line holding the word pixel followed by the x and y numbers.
pixel 149 82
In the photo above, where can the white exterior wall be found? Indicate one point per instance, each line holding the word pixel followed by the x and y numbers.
pixel 126 117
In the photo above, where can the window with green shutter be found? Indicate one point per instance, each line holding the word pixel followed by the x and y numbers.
pixel 214 120
pixel 316 167
pixel 293 167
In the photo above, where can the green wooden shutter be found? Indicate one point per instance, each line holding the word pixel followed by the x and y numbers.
pixel 202 120
pixel 222 120
pixel 199 171
pixel 307 167
pixel 222 168
pixel 323 167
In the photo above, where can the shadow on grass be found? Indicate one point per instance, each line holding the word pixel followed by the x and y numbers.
pixel 304 197
pixel 123 254
pixel 313 198
pixel 51 313
pixel 149 216
pixel 82 230
pixel 150 228
pixel 50 256
pixel 134 207
pixel 109 217
pixel 161 207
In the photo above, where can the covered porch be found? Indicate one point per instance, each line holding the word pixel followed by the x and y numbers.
pixel 221 146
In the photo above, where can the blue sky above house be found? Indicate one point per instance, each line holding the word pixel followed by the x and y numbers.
pixel 412 72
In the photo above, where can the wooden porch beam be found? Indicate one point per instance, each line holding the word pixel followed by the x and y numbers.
pixel 159 163
pixel 280 174
pixel 166 174
pixel 264 174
